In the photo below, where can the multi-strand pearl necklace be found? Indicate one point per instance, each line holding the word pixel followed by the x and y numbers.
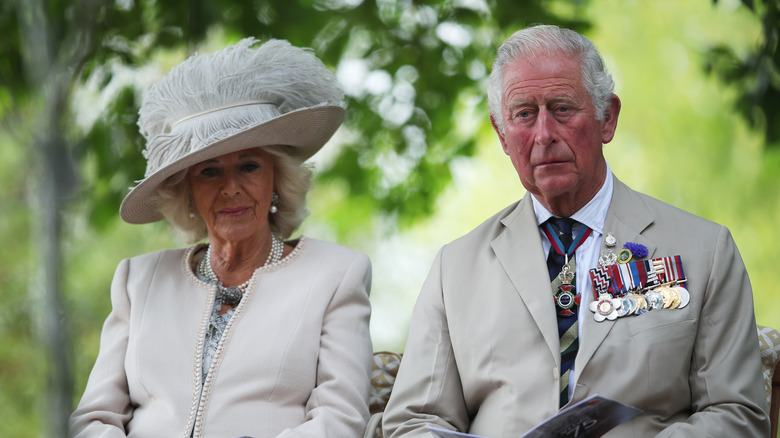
pixel 232 295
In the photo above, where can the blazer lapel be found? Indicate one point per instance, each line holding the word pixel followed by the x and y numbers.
pixel 518 248
pixel 627 218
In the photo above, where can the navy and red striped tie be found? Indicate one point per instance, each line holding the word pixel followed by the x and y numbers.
pixel 567 324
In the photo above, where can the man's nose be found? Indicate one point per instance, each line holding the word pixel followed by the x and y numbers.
pixel 545 128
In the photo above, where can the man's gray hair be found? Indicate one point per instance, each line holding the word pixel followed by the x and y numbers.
pixel 549 40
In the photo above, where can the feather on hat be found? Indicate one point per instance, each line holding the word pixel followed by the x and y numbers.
pixel 238 98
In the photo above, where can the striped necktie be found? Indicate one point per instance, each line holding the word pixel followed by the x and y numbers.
pixel 562 243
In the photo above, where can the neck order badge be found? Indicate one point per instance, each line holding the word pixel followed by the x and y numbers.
pixel 562 269
pixel 561 266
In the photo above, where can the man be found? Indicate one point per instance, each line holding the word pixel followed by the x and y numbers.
pixel 484 350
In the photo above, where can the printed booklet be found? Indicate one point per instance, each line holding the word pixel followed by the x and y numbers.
pixel 590 418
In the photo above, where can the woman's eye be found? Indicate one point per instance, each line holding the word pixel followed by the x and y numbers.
pixel 208 171
pixel 250 167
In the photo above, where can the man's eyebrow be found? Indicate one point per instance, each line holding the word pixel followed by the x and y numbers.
pixel 521 101
pixel 566 99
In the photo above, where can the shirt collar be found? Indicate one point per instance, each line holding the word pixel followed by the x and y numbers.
pixel 593 214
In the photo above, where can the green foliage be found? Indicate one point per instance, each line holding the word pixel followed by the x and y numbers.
pixel 109 154
pixel 756 74
pixel 396 156
pixel 402 123
pixel 21 361
pixel 394 162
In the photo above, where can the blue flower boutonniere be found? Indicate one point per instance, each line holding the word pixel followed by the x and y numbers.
pixel 631 250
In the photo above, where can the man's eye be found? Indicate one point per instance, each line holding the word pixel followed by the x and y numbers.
pixel 523 114
pixel 563 109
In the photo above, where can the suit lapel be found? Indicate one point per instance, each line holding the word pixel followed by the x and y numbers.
pixel 518 248
pixel 627 218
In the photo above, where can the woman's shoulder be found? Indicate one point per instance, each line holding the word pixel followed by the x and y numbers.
pixel 168 255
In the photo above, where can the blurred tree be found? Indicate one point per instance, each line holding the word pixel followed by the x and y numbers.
pixel 409 63
pixel 756 75
pixel 409 67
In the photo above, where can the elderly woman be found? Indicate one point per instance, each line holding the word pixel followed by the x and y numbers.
pixel 249 333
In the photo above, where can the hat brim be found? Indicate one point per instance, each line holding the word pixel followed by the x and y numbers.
pixel 304 131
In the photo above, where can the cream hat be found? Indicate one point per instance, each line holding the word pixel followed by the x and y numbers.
pixel 238 98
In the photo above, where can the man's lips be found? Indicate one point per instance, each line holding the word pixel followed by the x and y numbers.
pixel 550 163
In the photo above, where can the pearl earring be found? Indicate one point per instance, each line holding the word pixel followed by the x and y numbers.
pixel 274 201
pixel 192 207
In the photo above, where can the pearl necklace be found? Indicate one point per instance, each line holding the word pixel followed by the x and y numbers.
pixel 232 295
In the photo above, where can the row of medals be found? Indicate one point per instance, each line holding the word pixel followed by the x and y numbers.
pixel 661 297
pixel 664 296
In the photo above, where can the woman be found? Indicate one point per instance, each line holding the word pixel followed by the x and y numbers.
pixel 247 334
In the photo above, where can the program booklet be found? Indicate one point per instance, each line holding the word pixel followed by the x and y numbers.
pixel 590 418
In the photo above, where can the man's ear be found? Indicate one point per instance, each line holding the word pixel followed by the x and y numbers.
pixel 500 134
pixel 609 124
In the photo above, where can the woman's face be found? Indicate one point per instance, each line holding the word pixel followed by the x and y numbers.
pixel 232 193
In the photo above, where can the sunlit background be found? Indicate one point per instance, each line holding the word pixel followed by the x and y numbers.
pixel 680 138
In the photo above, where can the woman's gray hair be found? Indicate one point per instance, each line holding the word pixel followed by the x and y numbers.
pixel 547 40
pixel 292 181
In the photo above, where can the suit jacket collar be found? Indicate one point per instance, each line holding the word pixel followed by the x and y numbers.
pixel 517 248
pixel 627 218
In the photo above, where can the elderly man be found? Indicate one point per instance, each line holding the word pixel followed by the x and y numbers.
pixel 582 287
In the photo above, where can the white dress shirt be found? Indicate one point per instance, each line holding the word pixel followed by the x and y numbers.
pixel 593 215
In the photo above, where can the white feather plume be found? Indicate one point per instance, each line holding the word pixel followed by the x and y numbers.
pixel 195 104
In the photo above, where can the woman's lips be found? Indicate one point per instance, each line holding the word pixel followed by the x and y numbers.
pixel 233 211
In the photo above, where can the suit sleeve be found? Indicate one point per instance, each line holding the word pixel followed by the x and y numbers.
pixel 338 405
pixel 105 407
pixel 427 390
pixel 727 398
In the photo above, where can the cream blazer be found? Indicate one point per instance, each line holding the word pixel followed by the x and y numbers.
pixel 483 350
pixel 295 360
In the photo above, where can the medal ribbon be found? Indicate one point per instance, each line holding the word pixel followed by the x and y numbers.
pixel 619 279
pixel 673 270
pixel 556 243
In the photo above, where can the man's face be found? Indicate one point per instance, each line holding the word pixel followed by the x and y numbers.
pixel 551 132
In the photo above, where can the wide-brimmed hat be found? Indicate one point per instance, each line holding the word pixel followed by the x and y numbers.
pixel 239 98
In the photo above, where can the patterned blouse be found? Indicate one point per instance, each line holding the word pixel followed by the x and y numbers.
pixel 217 325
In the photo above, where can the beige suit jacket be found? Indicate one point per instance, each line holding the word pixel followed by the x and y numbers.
pixel 293 362
pixel 483 350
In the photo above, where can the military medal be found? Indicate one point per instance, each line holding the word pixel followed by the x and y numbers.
pixel 654 299
pixel 641 304
pixel 627 287
pixel 567 296
pixel 629 305
pixel 605 307
pixel 607 256
pixel 564 290
pixel 685 297
pixel 670 282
